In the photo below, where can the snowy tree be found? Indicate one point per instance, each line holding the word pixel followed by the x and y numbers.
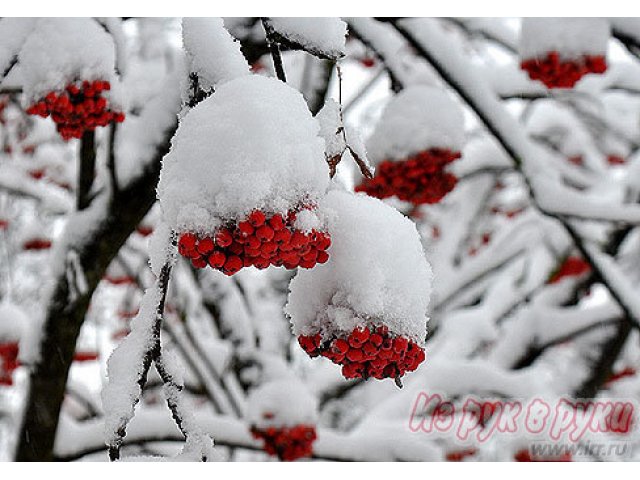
pixel 285 238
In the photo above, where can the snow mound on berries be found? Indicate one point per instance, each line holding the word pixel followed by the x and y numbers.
pixel 62 50
pixel 377 273
pixel 282 403
pixel 416 119
pixel 251 145
pixel 571 37
pixel 13 321
pixel 215 55
pixel 326 35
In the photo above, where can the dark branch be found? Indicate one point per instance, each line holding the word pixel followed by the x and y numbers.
pixel 274 48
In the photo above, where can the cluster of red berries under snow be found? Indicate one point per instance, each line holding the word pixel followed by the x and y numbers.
pixel 367 353
pixel 555 72
pixel 287 443
pixel 258 241
pixel 420 179
pixel 571 267
pixel 560 51
pixel 79 108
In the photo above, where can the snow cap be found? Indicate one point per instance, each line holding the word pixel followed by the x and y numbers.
pixel 282 403
pixel 377 274
pixel 418 118
pixel 251 145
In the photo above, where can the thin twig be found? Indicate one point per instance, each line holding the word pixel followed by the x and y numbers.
pixel 274 48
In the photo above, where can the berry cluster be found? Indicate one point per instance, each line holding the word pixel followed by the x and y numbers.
pixel 85 356
pixel 80 107
pixel 525 456
pixel 571 267
pixel 37 244
pixel 557 73
pixel 419 179
pixel 616 160
pixel 460 455
pixel 8 362
pixel 288 443
pixel 257 241
pixel 366 353
pixel 120 280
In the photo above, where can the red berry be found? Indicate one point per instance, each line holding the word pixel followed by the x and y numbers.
pixel 205 245
pixel 199 262
pixel 257 218
pixel 276 222
pixel 232 265
pixel 265 233
pixel 246 228
pixel 217 259
pixel 224 238
pixel 187 241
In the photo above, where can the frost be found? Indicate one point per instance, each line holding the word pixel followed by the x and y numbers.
pixel 361 276
pixel 571 37
pixel 418 118
pixel 63 50
pixel 215 56
pixel 252 145
pixel 326 35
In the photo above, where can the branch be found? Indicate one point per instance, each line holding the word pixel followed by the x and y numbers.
pixel 148 356
pixel 86 169
pixel 274 48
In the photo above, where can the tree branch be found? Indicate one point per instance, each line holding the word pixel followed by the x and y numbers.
pixel 274 48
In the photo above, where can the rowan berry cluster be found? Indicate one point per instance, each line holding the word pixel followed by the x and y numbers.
pixel 419 179
pixel 555 72
pixel 8 362
pixel 79 108
pixel 571 267
pixel 36 244
pixel 258 241
pixel 287 443
pixel 366 353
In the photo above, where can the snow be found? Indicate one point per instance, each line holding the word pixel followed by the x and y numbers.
pixel 13 32
pixel 252 145
pixel 13 321
pixel 362 284
pixel 571 37
pixel 125 366
pixel 63 50
pixel 322 34
pixel 282 403
pixel 330 124
pixel 215 55
pixel 418 118
pixel 337 136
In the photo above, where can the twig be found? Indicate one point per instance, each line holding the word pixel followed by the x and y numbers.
pixel 274 48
